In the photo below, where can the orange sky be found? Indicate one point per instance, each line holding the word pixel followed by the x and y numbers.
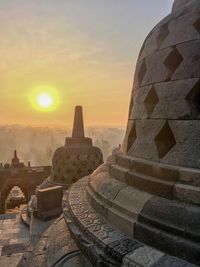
pixel 86 51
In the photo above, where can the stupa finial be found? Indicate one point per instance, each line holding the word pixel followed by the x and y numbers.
pixel 78 127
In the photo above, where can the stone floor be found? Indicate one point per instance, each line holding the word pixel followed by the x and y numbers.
pixel 14 238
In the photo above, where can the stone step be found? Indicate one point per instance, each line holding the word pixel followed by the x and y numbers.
pixel 143 182
pixel 150 184
pixel 164 241
pixel 157 170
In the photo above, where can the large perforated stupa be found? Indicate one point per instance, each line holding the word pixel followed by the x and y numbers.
pixel 142 208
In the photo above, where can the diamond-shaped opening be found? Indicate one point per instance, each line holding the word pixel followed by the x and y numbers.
pixel 131 137
pixel 163 33
pixel 172 62
pixel 165 140
pixel 197 25
pixel 193 99
pixel 151 101
pixel 142 72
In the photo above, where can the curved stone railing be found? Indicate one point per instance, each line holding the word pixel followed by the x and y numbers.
pixel 103 243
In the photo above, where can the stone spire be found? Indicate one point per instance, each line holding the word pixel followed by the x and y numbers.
pixel 15 154
pixel 15 160
pixel 78 127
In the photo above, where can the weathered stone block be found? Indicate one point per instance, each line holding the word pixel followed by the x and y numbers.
pixel 191 58
pixel 124 161
pixel 118 172
pixel 49 202
pixel 170 261
pixel 121 221
pixel 143 256
pixel 130 201
pixel 187 193
pixel 190 176
pixel 150 184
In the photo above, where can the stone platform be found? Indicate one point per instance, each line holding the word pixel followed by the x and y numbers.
pixel 14 239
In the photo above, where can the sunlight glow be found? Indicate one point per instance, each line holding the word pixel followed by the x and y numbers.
pixel 44 98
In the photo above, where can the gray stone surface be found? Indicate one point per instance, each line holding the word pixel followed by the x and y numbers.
pixel 172 102
pixel 10 261
pixel 118 172
pixel 187 193
pixel 55 244
pixel 131 201
pixel 144 256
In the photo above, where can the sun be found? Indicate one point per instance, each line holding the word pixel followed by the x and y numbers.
pixel 44 98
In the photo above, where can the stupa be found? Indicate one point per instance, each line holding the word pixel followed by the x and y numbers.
pixel 142 208
pixel 77 158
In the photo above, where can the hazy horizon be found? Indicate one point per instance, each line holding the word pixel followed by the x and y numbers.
pixel 37 144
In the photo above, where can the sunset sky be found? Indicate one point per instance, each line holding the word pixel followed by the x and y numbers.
pixel 84 50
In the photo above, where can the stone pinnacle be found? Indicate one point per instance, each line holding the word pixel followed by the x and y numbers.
pixel 78 127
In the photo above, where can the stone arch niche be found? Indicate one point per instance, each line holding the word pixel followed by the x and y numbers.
pixel 7 187
pixel 22 192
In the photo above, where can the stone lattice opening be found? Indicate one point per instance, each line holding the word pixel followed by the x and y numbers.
pixel 131 137
pixel 197 25
pixel 193 99
pixel 163 33
pixel 151 101
pixel 172 62
pixel 165 140
pixel 142 72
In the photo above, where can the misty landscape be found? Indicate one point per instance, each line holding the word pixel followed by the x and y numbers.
pixel 37 144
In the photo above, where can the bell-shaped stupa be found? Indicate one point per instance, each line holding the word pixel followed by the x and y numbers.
pixel 77 158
